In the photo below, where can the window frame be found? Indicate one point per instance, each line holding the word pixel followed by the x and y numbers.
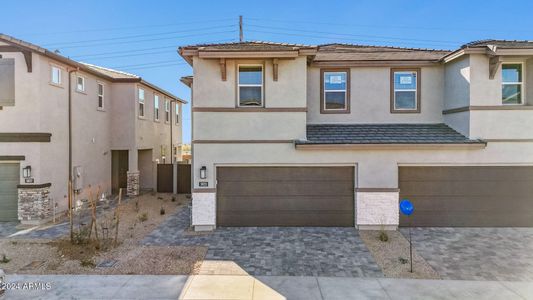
pixel 82 90
pixel 98 95
pixel 141 103
pixel 347 108
pixel 522 85
pixel 167 110
pixel 262 65
pixel 156 108
pixel 177 113
pixel 418 93
pixel 59 69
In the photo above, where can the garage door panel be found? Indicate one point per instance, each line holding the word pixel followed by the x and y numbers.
pixel 468 196
pixel 285 196
pixel 283 188
pixel 243 174
pixel 284 203
pixel 319 219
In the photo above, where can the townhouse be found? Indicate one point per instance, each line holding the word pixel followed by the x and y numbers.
pixel 62 119
pixel 338 134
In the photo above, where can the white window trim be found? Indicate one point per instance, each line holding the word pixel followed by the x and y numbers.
pixel 141 101
pixel 83 84
pixel 522 85
pixel 98 95
pixel 167 111
pixel 52 67
pixel 262 85
pixel 157 109
pixel 327 91
pixel 404 90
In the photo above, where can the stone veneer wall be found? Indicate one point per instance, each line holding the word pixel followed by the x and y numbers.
pixel 204 210
pixel 132 188
pixel 34 204
pixel 377 209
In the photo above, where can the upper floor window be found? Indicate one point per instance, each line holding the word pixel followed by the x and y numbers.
pixel 156 107
pixel 167 110
pixel 100 93
pixel 405 93
pixel 512 83
pixel 177 112
pixel 250 85
pixel 141 103
pixel 80 84
pixel 55 75
pixel 335 93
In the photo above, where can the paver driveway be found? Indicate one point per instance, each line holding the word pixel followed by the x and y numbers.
pixel 477 253
pixel 296 251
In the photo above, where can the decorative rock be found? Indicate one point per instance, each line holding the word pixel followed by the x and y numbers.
pixel 34 205
pixel 132 188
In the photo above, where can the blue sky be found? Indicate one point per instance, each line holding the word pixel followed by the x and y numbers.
pixel 141 37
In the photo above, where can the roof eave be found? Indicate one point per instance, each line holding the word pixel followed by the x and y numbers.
pixel 390 146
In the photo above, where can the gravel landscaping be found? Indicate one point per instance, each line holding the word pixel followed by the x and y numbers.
pixel 392 256
pixel 30 254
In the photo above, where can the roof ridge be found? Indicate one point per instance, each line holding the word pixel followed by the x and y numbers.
pixel 109 69
pixel 380 46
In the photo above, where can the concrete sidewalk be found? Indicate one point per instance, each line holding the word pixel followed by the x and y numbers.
pixel 260 287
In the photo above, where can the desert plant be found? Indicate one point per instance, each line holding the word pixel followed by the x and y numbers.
pixel 143 217
pixel 173 199
pixel 159 198
pixel 4 259
pixel 162 210
pixel 136 205
pixel 402 260
pixel 383 236
pixel 87 263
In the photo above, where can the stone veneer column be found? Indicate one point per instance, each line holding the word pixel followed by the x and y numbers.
pixel 132 188
pixel 34 204
pixel 377 208
pixel 204 209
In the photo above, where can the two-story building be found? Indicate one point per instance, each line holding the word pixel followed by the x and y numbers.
pixel 337 135
pixel 59 118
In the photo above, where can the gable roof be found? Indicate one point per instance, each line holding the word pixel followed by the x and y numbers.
pixel 384 134
pixel 349 52
pixel 505 44
pixel 248 46
pixel 105 73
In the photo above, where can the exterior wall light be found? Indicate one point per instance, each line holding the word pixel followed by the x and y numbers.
pixel 203 172
pixel 26 172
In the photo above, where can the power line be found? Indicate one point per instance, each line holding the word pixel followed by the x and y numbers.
pixel 355 35
pixel 148 40
pixel 153 67
pixel 150 63
pixel 135 36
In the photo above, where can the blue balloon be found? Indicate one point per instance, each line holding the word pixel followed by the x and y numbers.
pixel 406 207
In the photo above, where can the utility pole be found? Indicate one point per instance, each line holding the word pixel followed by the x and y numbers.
pixel 241 36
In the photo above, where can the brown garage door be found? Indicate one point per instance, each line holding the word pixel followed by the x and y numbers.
pixel 468 196
pixel 285 196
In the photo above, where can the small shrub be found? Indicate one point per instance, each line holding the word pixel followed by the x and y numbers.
pixel 173 199
pixel 162 210
pixel 383 236
pixel 136 205
pixel 87 263
pixel 4 259
pixel 402 260
pixel 143 217
pixel 159 198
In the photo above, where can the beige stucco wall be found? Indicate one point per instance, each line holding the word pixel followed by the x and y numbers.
pixel 370 97
pixel 457 83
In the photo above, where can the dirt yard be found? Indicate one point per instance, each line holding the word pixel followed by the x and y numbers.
pixel 138 217
pixel 392 255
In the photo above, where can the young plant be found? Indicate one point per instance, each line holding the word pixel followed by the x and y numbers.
pixel 143 217
pixel 4 259
pixel 162 210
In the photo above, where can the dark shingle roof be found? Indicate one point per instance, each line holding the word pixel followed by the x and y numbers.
pixel 384 134
pixel 348 52
pixel 500 44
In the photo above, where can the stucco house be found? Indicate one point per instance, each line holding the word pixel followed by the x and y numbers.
pixel 119 127
pixel 338 134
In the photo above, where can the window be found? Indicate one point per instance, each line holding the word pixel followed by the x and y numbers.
pixel 141 103
pixel 56 75
pixel 405 94
pixel 335 94
pixel 177 108
pixel 100 93
pixel 167 110
pixel 80 84
pixel 156 107
pixel 250 85
pixel 512 79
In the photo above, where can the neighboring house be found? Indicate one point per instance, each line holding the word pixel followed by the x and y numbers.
pixel 120 128
pixel 336 135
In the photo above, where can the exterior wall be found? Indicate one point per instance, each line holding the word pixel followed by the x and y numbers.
pixel 370 97
pixel 457 83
